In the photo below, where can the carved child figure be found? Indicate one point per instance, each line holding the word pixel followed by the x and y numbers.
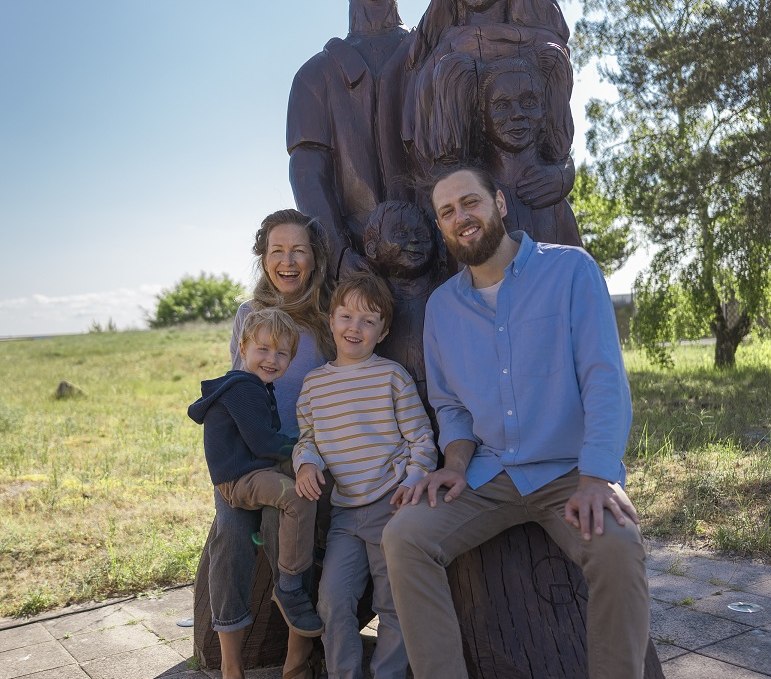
pixel 402 246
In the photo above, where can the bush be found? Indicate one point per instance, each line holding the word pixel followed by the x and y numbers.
pixel 207 298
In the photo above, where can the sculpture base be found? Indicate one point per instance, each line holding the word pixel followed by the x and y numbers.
pixel 521 604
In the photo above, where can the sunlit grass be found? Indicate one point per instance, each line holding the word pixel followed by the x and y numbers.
pixel 108 493
pixel 700 449
pixel 105 493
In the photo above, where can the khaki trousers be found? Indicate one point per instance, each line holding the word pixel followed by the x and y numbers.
pixel 297 520
pixel 421 541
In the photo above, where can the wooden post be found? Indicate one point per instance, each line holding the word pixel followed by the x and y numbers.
pixel 521 604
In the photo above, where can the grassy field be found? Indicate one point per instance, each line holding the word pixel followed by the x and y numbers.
pixel 107 492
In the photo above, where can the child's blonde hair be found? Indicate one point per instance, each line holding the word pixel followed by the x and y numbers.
pixel 278 323
pixel 370 291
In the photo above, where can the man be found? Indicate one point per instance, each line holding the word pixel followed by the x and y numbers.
pixel 525 373
pixel 342 162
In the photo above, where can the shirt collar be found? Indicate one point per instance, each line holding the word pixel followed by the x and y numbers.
pixel 515 267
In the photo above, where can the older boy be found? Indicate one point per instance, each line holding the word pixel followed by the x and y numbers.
pixel 245 453
pixel 360 417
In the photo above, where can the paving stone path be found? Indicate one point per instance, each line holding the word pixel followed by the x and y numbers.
pixel 696 633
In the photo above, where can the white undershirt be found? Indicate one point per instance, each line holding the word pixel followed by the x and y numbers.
pixel 490 295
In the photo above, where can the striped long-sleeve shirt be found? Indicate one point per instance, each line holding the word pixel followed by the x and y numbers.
pixel 367 425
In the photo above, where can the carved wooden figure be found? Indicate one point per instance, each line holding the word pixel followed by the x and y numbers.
pixel 403 246
pixel 504 116
pixel 334 143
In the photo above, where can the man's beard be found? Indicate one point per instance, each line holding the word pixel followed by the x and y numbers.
pixel 478 253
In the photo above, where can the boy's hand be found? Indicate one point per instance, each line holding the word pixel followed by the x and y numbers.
pixel 309 481
pixel 402 496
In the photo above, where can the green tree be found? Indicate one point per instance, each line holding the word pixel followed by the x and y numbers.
pixel 205 298
pixel 607 236
pixel 687 145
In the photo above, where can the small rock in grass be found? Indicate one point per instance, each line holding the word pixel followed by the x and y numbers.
pixel 68 390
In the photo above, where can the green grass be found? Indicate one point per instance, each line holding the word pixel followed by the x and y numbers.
pixel 107 493
pixel 699 453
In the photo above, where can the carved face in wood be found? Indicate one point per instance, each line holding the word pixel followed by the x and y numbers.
pixel 399 238
pixel 477 5
pixel 514 110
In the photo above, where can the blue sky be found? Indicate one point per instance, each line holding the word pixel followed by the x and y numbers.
pixel 141 140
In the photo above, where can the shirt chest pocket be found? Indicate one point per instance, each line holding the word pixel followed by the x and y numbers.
pixel 538 347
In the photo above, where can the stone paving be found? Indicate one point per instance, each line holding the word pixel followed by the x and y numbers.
pixel 697 635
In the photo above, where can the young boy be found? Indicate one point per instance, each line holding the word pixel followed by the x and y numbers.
pixel 360 416
pixel 245 452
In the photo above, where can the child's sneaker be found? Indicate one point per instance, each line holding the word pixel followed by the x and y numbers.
pixel 298 611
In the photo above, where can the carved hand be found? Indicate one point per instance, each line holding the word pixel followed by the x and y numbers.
pixel 541 186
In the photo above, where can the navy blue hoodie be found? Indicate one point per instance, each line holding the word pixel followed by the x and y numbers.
pixel 240 426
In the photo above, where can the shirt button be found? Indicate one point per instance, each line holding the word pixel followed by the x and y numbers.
pixel 505 371
pixel 500 329
pixel 509 412
pixel 511 450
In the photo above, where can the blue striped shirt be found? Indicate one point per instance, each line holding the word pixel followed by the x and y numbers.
pixel 539 383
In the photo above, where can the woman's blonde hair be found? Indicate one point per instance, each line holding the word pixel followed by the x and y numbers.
pixel 309 309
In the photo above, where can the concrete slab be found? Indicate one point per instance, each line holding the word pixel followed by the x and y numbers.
pixel 89 621
pixel 718 605
pixel 67 672
pixel 751 650
pixel 660 606
pixel 169 602
pixel 183 646
pixel 145 663
pixel 27 635
pixel 695 666
pixel 161 614
pixel 666 557
pixel 21 662
pixel 109 642
pixel 721 572
pixel 752 577
pixel 677 588
pixel 681 626
pixel 668 651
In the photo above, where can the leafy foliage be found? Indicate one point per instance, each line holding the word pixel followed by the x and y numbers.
pixel 207 298
pixel 687 146
pixel 606 236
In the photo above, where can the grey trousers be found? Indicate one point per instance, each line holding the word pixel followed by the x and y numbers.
pixel 421 541
pixel 353 552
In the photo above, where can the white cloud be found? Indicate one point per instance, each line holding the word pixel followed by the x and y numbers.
pixel 46 315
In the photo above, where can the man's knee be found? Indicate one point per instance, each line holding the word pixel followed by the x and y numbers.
pixel 399 533
pixel 619 548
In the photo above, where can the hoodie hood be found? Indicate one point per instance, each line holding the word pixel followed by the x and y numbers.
pixel 211 390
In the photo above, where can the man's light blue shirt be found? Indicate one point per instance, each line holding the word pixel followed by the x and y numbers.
pixel 539 383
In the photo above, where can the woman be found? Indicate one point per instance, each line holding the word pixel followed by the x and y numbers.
pixel 293 274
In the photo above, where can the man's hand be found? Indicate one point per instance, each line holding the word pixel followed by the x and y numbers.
pixel 309 481
pixel 453 480
pixel 584 509
pixel 402 496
